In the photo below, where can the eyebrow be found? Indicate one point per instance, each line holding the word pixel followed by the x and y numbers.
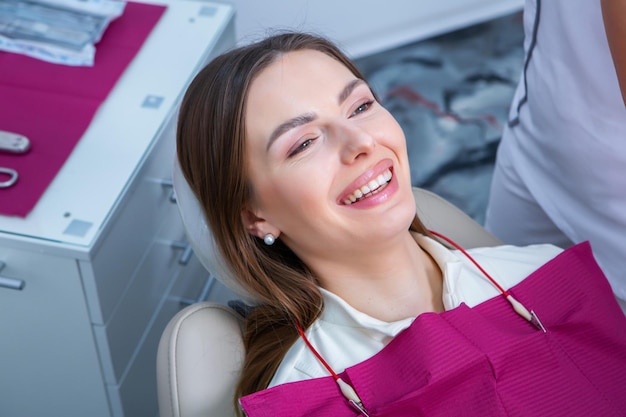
pixel 309 117
pixel 290 124
pixel 348 89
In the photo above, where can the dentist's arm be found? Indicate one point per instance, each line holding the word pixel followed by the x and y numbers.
pixel 614 15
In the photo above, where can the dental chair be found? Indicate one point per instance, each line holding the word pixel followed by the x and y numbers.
pixel 201 349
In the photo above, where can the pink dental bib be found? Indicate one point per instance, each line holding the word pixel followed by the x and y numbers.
pixel 487 360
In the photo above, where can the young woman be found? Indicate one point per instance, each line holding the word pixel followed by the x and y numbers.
pixel 304 180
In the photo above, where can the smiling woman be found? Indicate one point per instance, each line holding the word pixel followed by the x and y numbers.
pixel 334 141
pixel 304 180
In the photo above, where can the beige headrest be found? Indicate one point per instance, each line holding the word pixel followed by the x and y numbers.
pixel 200 237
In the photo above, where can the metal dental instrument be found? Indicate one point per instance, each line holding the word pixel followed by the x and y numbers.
pixel 13 142
pixel 12 177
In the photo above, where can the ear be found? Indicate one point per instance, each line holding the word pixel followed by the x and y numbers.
pixel 256 225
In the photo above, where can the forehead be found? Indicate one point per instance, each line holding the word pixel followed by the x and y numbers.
pixel 296 82
pixel 299 72
pixel 294 65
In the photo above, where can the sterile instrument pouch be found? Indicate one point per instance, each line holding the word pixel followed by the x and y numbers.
pixel 62 31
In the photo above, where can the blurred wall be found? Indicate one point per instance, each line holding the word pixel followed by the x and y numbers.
pixel 364 27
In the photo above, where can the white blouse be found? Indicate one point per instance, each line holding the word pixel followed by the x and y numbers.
pixel 344 336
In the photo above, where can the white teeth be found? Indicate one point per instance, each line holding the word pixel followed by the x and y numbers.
pixel 370 187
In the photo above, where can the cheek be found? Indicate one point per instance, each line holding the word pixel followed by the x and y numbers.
pixel 285 187
pixel 299 198
pixel 390 135
pixel 389 130
pixel 396 141
pixel 286 193
pixel 398 133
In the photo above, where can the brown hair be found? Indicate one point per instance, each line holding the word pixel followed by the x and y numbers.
pixel 211 152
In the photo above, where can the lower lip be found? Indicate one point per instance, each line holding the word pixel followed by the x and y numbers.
pixel 378 198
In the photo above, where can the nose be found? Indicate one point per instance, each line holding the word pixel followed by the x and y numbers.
pixel 354 141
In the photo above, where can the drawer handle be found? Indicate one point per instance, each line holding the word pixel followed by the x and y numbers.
pixel 185 256
pixel 169 184
pixel 204 294
pixel 11 283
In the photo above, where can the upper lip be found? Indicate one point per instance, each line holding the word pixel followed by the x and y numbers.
pixel 366 177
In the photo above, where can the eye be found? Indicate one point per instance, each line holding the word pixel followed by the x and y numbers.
pixel 302 147
pixel 362 108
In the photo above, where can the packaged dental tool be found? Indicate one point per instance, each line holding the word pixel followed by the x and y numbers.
pixel 60 31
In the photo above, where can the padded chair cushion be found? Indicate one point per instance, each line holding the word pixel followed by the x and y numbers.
pixel 199 236
pixel 199 361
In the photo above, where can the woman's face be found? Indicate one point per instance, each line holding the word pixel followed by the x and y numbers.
pixel 327 164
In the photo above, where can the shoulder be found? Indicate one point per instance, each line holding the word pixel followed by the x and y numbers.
pixel 338 327
pixel 293 367
pixel 330 336
pixel 508 265
pixel 524 259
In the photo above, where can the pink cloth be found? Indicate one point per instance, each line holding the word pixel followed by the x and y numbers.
pixel 54 104
pixel 487 361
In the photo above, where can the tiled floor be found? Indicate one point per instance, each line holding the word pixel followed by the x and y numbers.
pixel 451 95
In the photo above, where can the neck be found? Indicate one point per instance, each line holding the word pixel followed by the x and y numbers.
pixel 399 282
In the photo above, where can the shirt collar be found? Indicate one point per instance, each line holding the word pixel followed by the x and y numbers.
pixel 339 312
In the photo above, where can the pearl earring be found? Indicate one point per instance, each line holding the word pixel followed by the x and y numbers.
pixel 269 239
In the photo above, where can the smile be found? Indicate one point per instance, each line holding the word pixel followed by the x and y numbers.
pixel 372 187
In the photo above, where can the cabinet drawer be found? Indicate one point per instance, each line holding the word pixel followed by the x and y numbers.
pixel 138 391
pixel 46 337
pixel 122 332
pixel 146 207
pixel 158 272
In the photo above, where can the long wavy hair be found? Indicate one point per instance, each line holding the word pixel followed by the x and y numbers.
pixel 211 152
